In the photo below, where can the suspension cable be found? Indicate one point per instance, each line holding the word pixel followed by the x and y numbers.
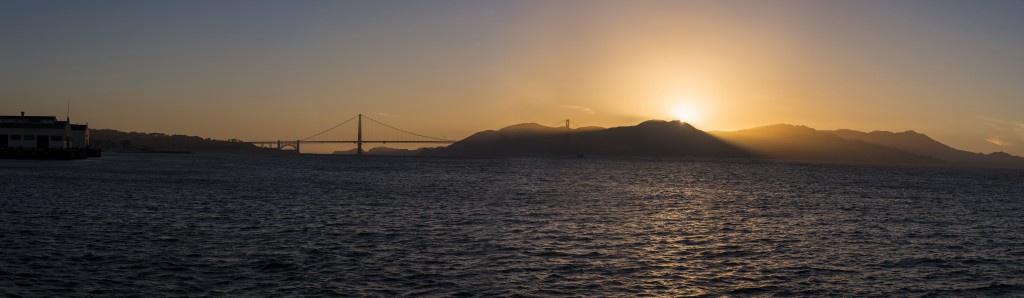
pixel 332 128
pixel 398 129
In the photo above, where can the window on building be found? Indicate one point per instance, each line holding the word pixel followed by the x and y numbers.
pixel 30 137
pixel 16 137
pixel 56 138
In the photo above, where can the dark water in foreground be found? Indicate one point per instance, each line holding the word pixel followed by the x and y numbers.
pixel 142 225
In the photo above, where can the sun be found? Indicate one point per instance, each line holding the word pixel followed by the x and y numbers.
pixel 685 114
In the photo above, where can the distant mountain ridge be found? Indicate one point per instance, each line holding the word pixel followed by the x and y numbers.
pixel 921 144
pixel 382 151
pixel 674 138
pixel 650 138
pixel 797 142
pixel 110 139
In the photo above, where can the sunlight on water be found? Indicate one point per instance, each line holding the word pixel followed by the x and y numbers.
pixel 142 225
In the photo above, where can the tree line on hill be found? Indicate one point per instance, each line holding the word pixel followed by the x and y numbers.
pixel 674 138
pixel 109 139
pixel 650 138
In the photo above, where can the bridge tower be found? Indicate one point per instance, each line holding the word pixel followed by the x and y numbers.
pixel 359 137
pixel 376 127
pixel 568 129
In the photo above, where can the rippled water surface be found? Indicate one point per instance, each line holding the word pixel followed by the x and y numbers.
pixel 142 225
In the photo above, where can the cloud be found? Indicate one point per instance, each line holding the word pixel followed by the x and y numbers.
pixel 581 109
pixel 1004 133
pixel 998 141
pixel 1013 127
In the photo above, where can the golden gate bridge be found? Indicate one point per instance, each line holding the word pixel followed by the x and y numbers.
pixel 357 131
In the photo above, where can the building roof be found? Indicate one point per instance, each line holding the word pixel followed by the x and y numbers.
pixel 55 125
pixel 37 122
pixel 28 119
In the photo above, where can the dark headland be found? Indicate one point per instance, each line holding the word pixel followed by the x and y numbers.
pixel 674 138
pixel 114 140
pixel 650 138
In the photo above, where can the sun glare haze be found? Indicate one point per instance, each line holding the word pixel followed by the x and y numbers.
pixel 686 113
pixel 511 148
pixel 268 70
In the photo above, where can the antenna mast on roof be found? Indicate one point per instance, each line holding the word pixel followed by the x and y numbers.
pixel 67 129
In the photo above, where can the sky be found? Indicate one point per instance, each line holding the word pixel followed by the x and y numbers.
pixel 269 70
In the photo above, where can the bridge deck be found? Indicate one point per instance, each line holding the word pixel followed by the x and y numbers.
pixel 354 142
pixel 380 130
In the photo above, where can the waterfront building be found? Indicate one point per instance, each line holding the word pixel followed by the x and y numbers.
pixel 25 136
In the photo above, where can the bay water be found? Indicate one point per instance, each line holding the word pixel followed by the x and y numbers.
pixel 322 225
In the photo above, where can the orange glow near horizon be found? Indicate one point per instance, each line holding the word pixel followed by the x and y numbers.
pixel 452 70
pixel 686 114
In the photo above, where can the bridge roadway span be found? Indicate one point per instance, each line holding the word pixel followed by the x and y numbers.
pixel 392 135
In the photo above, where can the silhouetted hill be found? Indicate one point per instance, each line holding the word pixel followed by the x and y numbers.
pixel 801 142
pixel 382 151
pixel 109 139
pixel 663 138
pixel 519 139
pixel 651 138
pixel 792 142
pixel 921 144
pixel 657 138
pixel 346 152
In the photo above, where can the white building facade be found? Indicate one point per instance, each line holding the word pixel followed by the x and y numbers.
pixel 41 132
